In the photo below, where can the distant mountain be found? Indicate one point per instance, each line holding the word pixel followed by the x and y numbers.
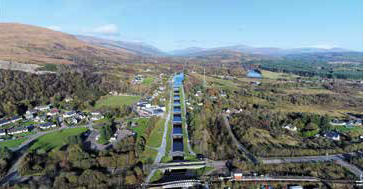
pixel 31 44
pixel 187 51
pixel 271 51
pixel 135 47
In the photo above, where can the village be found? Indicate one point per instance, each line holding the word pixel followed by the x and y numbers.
pixel 43 118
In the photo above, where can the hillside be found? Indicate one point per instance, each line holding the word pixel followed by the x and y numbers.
pixel 31 44
pixel 136 47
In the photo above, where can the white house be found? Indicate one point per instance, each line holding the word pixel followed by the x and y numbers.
pixel 290 127
pixel 2 132
pixel 11 120
pixel 46 125
pixel 43 108
pixel 53 112
pixel 69 114
pixel 17 130
pixel 332 135
pixel 96 117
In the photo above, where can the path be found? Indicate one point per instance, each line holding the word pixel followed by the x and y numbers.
pixel 337 158
pixel 12 173
pixel 238 144
pixel 162 148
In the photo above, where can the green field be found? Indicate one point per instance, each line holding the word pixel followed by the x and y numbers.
pixel 55 139
pixel 12 143
pixel 156 135
pixel 116 101
pixel 148 81
pixel 142 124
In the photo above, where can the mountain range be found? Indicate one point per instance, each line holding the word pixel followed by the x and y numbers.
pixel 33 44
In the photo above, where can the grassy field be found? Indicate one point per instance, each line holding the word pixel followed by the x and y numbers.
pixel 158 175
pixel 277 75
pixel 12 143
pixel 148 81
pixel 55 139
pixel 156 135
pixel 116 101
pixel 308 91
pixel 142 124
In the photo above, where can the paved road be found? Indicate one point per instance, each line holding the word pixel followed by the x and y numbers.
pixel 337 158
pixel 186 125
pixel 12 173
pixel 162 148
pixel 238 144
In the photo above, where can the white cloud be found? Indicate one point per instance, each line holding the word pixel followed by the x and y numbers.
pixel 108 29
pixel 53 27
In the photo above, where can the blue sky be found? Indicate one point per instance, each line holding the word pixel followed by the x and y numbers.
pixel 175 24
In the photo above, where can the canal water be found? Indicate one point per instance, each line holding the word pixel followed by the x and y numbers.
pixel 178 79
pixel 254 74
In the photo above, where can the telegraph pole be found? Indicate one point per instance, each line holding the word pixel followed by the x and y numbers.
pixel 204 78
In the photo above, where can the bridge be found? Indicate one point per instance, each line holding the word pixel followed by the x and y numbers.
pixel 180 165
pixel 176 184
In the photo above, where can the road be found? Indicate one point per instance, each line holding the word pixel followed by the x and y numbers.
pixel 162 148
pixel 12 173
pixel 238 144
pixel 337 158
pixel 186 125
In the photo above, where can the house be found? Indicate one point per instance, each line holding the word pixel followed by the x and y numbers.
pixel 290 127
pixel 68 99
pixel 17 130
pixel 2 132
pixel 11 120
pixel 337 122
pixel 74 121
pixel 69 114
pixel 95 113
pixel 29 114
pixel 112 139
pixel 96 117
pixel 332 135
pixel 237 174
pixel 358 122
pixel 255 83
pixel 42 108
pixel 53 112
pixel 295 187
pixel 47 125
pixel 80 116
pixel 41 118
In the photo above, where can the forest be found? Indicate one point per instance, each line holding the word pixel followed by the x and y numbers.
pixel 328 65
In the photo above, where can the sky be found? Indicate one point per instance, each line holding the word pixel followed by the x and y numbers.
pixel 178 24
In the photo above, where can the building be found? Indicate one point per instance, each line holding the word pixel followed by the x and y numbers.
pixel 68 99
pixel 69 114
pixel 42 108
pixel 11 120
pixel 96 117
pixel 40 119
pixel 295 187
pixel 337 122
pixel 17 130
pixel 47 125
pixel 332 135
pixel 95 113
pixel 53 112
pixel 29 114
pixel 290 127
pixel 237 174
